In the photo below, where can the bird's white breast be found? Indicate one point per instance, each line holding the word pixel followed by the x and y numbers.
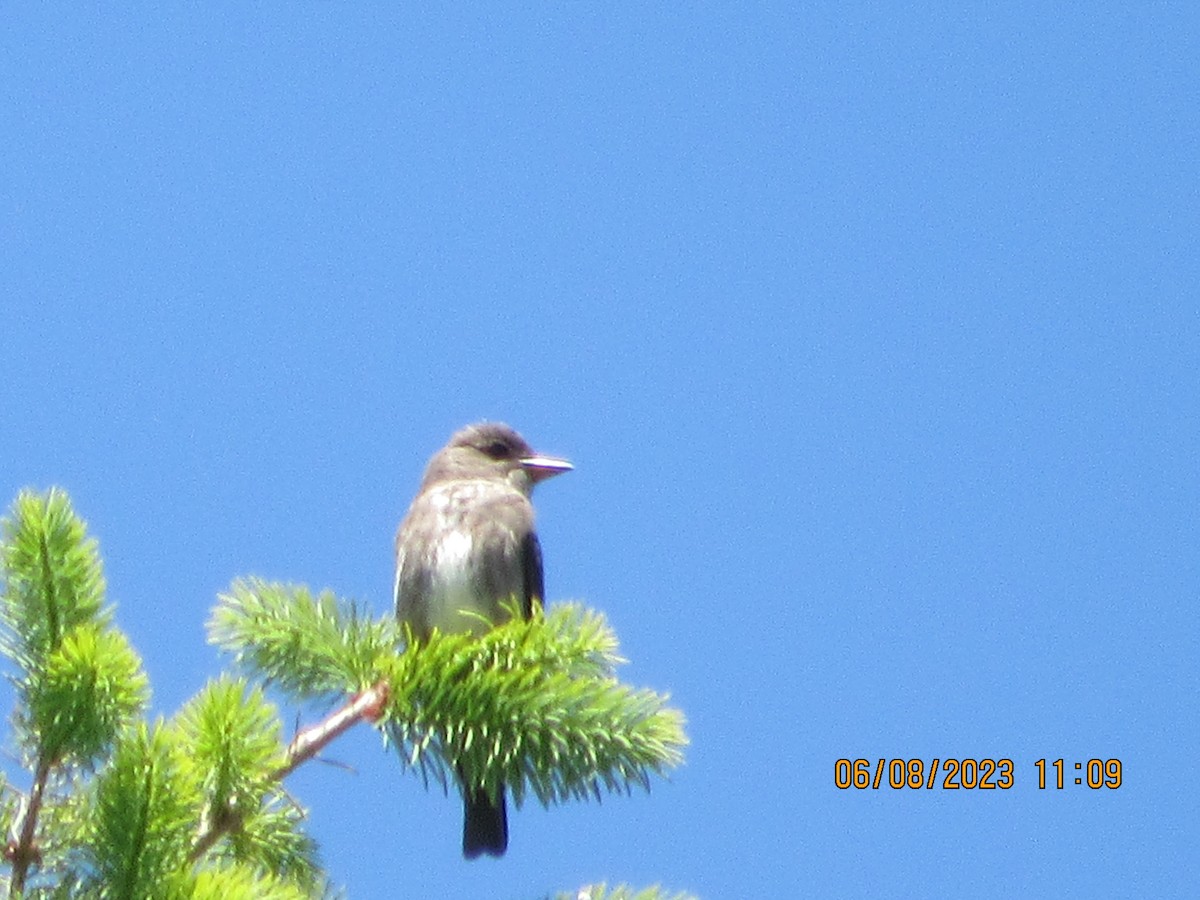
pixel 454 600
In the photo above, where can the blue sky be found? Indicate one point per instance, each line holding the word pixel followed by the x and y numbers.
pixel 871 329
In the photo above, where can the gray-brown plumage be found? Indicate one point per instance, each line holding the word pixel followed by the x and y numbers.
pixel 465 547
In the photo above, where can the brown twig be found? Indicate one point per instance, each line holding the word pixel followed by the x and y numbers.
pixel 24 852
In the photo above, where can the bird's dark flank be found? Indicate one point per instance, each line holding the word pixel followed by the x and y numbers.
pixel 467 546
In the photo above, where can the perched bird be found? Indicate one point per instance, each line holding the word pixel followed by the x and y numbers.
pixel 466 546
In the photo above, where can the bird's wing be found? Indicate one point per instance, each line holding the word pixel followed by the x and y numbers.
pixel 531 558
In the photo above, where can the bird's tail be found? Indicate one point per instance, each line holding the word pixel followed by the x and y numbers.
pixel 485 824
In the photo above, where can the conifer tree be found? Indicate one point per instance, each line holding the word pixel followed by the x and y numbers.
pixel 193 807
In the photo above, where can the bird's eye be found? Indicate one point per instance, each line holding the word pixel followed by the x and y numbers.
pixel 496 450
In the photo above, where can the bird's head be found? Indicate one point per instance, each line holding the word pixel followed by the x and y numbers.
pixel 495 451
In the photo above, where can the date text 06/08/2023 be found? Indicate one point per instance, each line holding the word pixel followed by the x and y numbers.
pixel 972 774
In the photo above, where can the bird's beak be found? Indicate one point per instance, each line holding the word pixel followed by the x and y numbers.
pixel 542 467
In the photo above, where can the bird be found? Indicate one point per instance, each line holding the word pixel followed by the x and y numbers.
pixel 465 548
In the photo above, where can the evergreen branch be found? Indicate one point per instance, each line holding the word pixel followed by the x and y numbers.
pixel 306 745
pixel 92 685
pixel 143 814
pixel 531 703
pixel 78 680
pixel 53 578
pixel 311 647
pixel 234 756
